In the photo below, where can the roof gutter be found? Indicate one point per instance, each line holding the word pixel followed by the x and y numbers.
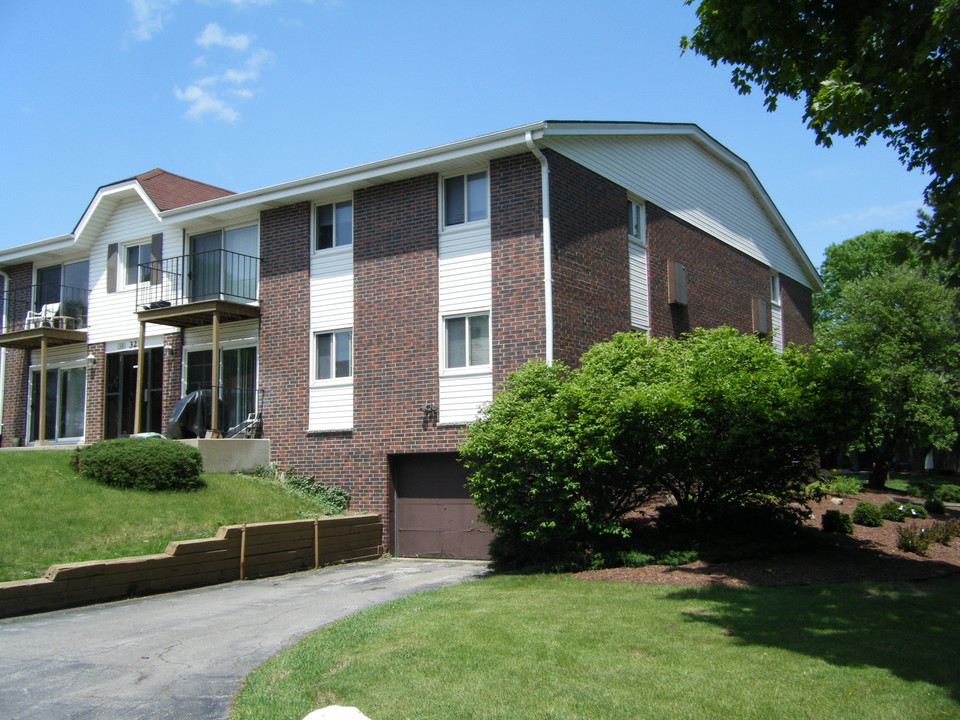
pixel 547 246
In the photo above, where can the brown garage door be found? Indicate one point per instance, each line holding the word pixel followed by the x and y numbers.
pixel 435 516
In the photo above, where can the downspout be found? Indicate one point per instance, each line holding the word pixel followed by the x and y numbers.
pixel 547 246
pixel 3 351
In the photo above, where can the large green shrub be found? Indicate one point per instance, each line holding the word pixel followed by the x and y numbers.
pixel 715 420
pixel 144 463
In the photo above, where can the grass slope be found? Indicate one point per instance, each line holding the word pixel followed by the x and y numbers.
pixel 552 647
pixel 49 514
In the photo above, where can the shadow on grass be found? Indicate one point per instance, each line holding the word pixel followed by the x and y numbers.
pixel 911 629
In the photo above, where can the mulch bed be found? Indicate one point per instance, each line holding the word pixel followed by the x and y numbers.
pixel 868 554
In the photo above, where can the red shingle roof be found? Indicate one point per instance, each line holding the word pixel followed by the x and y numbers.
pixel 170 191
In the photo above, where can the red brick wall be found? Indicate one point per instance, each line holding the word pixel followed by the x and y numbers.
pixel 284 327
pixel 396 357
pixel 721 281
pixel 172 368
pixel 796 301
pixel 516 236
pixel 93 429
pixel 591 283
pixel 17 372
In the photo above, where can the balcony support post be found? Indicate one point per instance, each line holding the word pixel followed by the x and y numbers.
pixel 215 378
pixel 42 410
pixel 139 401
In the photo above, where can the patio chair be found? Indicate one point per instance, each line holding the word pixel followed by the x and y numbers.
pixel 43 317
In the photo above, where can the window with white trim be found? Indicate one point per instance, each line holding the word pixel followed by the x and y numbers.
pixel 637 221
pixel 774 288
pixel 333 355
pixel 467 340
pixel 135 270
pixel 465 199
pixel 333 225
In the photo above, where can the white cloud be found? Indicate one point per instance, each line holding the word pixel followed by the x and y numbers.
pixel 203 103
pixel 251 68
pixel 214 35
pixel 149 17
pixel 874 214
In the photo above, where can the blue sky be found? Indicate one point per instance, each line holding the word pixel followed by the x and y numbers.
pixel 248 93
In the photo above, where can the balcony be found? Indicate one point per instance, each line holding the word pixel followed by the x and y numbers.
pixel 193 290
pixel 44 315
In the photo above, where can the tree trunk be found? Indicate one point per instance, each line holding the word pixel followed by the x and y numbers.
pixel 879 475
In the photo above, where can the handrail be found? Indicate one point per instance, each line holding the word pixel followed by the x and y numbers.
pixel 209 275
pixel 46 305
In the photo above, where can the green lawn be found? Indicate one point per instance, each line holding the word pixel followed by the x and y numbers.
pixel 553 647
pixel 49 514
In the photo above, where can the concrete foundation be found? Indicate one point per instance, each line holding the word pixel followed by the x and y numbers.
pixel 231 455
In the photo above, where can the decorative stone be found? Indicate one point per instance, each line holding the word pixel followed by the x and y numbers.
pixel 336 712
pixel 837 501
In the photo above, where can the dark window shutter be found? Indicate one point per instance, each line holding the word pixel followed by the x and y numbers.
pixel 112 254
pixel 676 283
pixel 156 254
pixel 761 321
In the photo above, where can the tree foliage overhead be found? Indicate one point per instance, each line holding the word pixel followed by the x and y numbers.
pixel 862 68
pixel 716 420
pixel 903 325
pixel 871 253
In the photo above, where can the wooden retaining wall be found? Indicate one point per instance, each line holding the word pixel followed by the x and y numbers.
pixel 237 552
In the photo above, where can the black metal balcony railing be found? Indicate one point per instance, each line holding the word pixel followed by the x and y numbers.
pixel 211 275
pixel 46 305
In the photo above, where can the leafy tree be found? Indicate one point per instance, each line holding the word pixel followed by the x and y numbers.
pixel 717 420
pixel 871 253
pixel 862 68
pixel 904 327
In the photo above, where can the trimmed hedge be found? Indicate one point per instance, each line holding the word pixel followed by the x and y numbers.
pixel 867 514
pixel 142 463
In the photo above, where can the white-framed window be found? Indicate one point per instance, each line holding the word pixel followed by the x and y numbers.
pixel 333 225
pixel 466 340
pixel 774 288
pixel 637 221
pixel 466 198
pixel 134 258
pixel 333 355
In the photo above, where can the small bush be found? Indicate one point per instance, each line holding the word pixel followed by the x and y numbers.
pixel 817 490
pixel 948 493
pixel 892 510
pixel 944 532
pixel 910 539
pixel 933 505
pixel 842 484
pixel 867 514
pixel 915 511
pixel 921 488
pixel 635 559
pixel 143 463
pixel 334 499
pixel 838 522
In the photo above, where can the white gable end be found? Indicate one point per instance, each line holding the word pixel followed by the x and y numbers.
pixel 681 176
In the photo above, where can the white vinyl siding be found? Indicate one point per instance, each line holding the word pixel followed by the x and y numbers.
pixel 331 309
pixel 776 313
pixel 691 183
pixel 243 332
pixel 639 286
pixel 464 289
pixel 462 395
pixel 112 316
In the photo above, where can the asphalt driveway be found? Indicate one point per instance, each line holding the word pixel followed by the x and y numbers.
pixel 182 655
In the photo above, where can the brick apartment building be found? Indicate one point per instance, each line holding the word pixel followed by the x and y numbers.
pixel 368 313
